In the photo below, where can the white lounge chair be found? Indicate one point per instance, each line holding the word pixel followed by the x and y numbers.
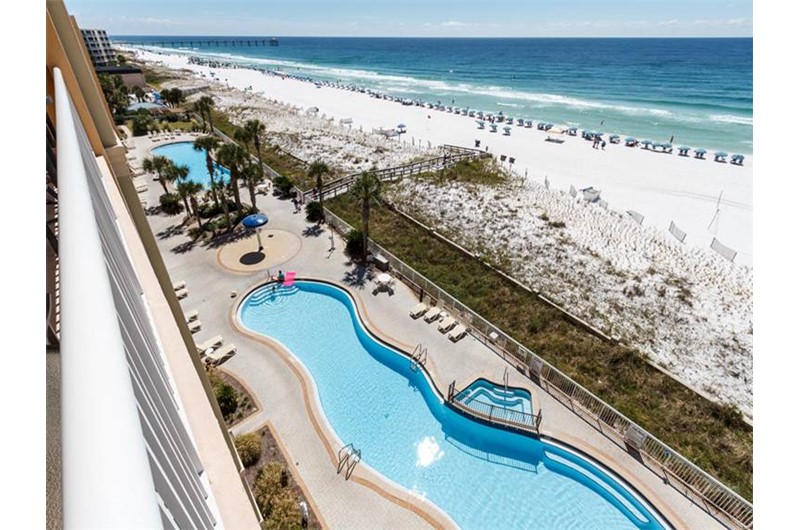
pixel 219 355
pixel 457 333
pixel 432 314
pixel 213 342
pixel 418 310
pixel 191 315
pixel 181 294
pixel 141 188
pixel 447 324
pixel 179 285
pixel 194 326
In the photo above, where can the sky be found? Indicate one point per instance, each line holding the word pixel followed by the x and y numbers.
pixel 419 18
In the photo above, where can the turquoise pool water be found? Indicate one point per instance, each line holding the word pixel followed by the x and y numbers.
pixel 481 476
pixel 184 153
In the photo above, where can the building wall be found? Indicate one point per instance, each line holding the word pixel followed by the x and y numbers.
pixel 99 46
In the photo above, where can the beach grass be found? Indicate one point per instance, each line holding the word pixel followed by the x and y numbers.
pixel 472 171
pixel 712 436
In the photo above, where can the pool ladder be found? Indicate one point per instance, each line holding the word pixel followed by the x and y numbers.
pixel 349 457
pixel 419 357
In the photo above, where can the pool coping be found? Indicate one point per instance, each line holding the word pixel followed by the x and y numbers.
pixel 400 495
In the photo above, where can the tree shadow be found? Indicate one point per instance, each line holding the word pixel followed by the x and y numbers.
pixel 251 258
pixel 185 247
pixel 227 237
pixel 358 276
pixel 312 231
pixel 172 230
pixel 152 210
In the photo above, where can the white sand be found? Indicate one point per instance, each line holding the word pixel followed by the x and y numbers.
pixel 683 305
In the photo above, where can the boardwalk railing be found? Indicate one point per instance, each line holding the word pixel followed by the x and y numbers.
pixel 491 413
pixel 715 497
pixel 451 156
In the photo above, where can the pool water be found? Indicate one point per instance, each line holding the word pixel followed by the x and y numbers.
pixel 183 153
pixel 483 477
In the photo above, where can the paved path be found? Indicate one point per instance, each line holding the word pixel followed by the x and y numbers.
pixel 279 391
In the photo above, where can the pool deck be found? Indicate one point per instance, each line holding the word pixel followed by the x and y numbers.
pixel 286 396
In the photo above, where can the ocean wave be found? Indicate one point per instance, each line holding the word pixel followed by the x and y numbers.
pixel 729 118
pixel 514 105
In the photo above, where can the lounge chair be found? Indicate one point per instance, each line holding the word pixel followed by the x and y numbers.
pixel 447 324
pixel 179 285
pixel 191 315
pixel 418 310
pixel 457 333
pixel 194 326
pixel 221 354
pixel 213 342
pixel 432 314
pixel 181 293
pixel 141 188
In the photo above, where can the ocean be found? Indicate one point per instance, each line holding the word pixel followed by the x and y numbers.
pixel 697 92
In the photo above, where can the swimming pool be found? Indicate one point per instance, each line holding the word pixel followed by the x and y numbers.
pixel 483 477
pixel 184 153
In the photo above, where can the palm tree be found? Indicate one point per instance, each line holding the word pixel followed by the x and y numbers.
pixel 233 156
pixel 367 190
pixel 204 105
pixel 315 171
pixel 220 190
pixel 209 144
pixel 188 189
pixel 252 177
pixel 157 164
pixel 178 176
pixel 138 92
pixel 174 173
pixel 255 129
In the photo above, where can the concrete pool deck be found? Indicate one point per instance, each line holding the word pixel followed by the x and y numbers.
pixel 283 394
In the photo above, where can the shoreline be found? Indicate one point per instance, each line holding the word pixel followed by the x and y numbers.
pixel 663 188
pixel 688 309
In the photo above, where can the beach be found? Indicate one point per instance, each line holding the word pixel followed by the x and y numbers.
pixel 684 305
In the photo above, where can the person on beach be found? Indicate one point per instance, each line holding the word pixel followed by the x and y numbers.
pixel 280 277
pixel 603 145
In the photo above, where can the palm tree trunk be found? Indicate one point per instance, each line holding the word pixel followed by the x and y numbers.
pixel 186 204
pixel 163 182
pixel 251 186
pixel 257 143
pixel 196 214
pixel 365 227
pixel 210 168
pixel 210 122
pixel 235 186
pixel 225 210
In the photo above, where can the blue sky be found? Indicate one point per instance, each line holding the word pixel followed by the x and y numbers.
pixel 433 18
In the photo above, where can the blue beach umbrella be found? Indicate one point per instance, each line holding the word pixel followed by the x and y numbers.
pixel 700 150
pixel 721 154
pixel 630 139
pixel 256 221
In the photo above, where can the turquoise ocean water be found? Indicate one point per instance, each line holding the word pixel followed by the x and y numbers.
pixel 699 92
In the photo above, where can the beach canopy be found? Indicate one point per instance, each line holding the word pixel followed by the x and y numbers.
pixel 683 148
pixel 506 128
pixel 630 139
pixel 614 136
pixel 401 125
pixel 720 153
pixel 255 220
pixel 701 150
pixel 647 142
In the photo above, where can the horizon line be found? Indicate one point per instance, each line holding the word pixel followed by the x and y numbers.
pixel 433 37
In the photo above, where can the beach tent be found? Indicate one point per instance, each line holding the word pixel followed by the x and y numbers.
pixel 493 126
pixel 520 122
pixel 700 153
pixel 481 124
pixel 720 156
pixel 614 138
pixel 630 141
pixel 737 159
pixel 683 150
pixel 647 143
pixel 506 131
pixel 572 131
pixel 528 124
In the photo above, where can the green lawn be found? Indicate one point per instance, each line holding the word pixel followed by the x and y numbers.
pixel 714 437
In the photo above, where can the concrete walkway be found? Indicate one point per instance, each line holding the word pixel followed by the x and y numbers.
pixel 283 395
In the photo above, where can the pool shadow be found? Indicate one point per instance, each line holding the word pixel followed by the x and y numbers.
pixel 252 258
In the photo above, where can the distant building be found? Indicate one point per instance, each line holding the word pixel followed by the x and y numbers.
pixel 99 47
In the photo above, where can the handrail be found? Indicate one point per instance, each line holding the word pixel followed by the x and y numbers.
pixel 99 414
pixel 591 408
pixel 349 457
pixel 493 413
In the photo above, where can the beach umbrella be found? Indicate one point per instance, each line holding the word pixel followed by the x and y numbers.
pixel 701 150
pixel 256 221
pixel 630 139
pixel 721 154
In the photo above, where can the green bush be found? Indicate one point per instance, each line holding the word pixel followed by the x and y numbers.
pixel 267 486
pixel 282 186
pixel 284 512
pixel 314 213
pixel 171 203
pixel 140 125
pixel 226 397
pixel 249 448
pixel 355 244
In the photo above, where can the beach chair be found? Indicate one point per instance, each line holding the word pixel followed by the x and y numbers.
pixel 181 293
pixel 213 342
pixel 141 188
pixel 418 310
pixel 194 326
pixel 457 333
pixel 220 355
pixel 447 324
pixel 191 315
pixel 432 314
pixel 179 285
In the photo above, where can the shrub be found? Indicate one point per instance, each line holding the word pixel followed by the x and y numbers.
pixel 355 244
pixel 267 486
pixel 284 512
pixel 314 212
pixel 282 186
pixel 140 125
pixel 171 203
pixel 226 397
pixel 249 448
